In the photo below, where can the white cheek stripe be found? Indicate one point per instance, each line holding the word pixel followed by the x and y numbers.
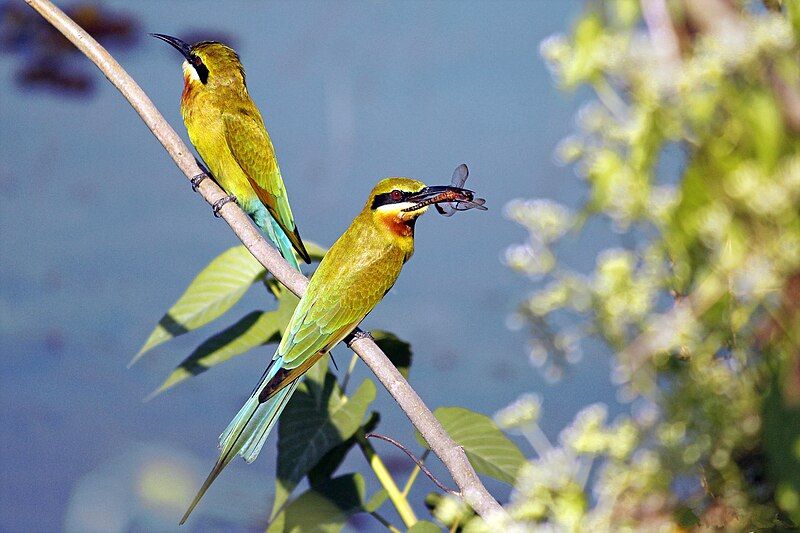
pixel 397 209
pixel 189 70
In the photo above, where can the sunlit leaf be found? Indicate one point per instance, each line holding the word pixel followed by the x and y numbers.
pixel 215 290
pixel 254 329
pixel 490 452
pixel 324 508
pixel 314 250
pixel 317 419
pixel 376 501
pixel 397 350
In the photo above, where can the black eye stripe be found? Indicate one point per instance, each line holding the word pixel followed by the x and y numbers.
pixel 202 73
pixel 386 198
pixel 199 67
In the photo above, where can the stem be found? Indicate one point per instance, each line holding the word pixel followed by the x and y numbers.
pixel 350 368
pixel 455 460
pixel 387 481
pixel 414 473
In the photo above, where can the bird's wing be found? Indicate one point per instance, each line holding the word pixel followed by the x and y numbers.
pixel 252 149
pixel 341 293
pixel 324 323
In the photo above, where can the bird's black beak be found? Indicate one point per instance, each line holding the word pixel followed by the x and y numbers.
pixel 176 43
pixel 437 194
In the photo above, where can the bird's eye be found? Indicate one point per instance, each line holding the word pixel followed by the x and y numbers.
pixel 396 195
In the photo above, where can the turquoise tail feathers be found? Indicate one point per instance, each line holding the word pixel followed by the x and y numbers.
pixel 279 238
pixel 284 244
pixel 248 431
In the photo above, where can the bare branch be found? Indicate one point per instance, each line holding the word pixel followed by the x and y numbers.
pixel 472 490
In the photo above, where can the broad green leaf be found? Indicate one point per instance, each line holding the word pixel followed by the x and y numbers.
pixel 215 290
pixel 424 526
pixel 490 452
pixel 314 250
pixel 317 419
pixel 254 329
pixel 397 350
pixel 324 508
pixel 326 467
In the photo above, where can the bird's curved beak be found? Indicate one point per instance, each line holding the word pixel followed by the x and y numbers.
pixel 180 46
pixel 437 194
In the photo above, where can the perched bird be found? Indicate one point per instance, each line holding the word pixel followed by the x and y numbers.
pixel 228 132
pixel 355 274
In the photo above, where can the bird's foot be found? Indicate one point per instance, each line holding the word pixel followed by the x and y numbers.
pixel 358 334
pixel 221 202
pixel 197 179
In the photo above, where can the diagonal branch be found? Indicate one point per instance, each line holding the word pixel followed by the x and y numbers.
pixel 453 457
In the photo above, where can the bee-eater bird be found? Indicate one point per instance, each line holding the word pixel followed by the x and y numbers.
pixel 355 274
pixel 228 132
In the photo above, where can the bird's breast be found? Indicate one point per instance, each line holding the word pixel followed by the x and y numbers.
pixel 399 227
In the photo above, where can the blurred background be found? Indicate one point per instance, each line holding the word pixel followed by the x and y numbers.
pixel 101 233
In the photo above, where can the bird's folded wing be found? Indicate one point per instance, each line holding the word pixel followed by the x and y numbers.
pixel 252 149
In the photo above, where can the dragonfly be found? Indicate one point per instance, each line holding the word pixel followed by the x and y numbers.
pixel 448 202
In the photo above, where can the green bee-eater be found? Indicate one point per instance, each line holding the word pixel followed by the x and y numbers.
pixel 355 274
pixel 228 132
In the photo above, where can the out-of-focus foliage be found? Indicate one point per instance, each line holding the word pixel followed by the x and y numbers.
pixel 691 148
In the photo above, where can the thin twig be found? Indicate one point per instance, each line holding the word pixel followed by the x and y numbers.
pixel 386 479
pixel 350 368
pixel 419 463
pixel 412 477
pixel 455 460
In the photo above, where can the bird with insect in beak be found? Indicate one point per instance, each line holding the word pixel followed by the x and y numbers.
pixel 355 274
pixel 228 132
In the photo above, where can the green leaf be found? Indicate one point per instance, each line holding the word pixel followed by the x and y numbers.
pixel 314 250
pixel 324 508
pixel 490 452
pixel 215 290
pixel 326 467
pixel 317 419
pixel 424 526
pixel 376 501
pixel 397 350
pixel 252 330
